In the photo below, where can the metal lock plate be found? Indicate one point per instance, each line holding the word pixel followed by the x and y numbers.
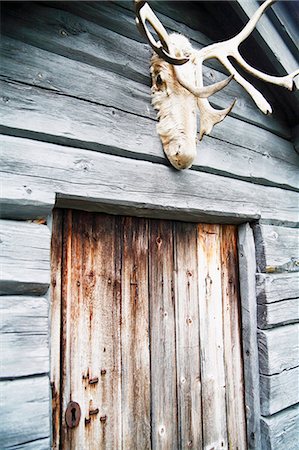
pixel 73 414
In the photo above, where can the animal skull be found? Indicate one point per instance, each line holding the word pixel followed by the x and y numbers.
pixel 177 83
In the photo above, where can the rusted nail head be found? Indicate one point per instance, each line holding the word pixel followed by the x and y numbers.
pixel 93 412
pixel 94 380
pixel 103 419
pixel 103 372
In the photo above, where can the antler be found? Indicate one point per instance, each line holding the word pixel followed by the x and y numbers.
pixel 166 51
pixel 221 51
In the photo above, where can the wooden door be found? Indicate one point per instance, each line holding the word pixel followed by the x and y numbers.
pixel 145 334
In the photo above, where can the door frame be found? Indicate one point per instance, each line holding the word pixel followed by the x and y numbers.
pixel 247 281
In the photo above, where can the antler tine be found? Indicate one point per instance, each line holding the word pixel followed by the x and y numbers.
pixel 210 116
pixel 203 91
pixel 223 50
pixel 144 13
pixel 249 27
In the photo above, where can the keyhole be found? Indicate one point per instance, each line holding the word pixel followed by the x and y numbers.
pixel 73 415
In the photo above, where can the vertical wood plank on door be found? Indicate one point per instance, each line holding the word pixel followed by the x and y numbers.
pixel 162 327
pixel 66 297
pixel 232 340
pixel 187 337
pixel 55 322
pixel 103 277
pixel 211 338
pixel 135 336
pixel 78 332
pixel 93 317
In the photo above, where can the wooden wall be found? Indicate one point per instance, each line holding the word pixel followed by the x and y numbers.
pixel 78 128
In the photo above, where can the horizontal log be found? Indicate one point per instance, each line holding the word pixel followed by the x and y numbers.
pixel 66 34
pixel 23 354
pixel 25 257
pixel 24 336
pixel 270 315
pixel 117 19
pixel 18 201
pixel 279 391
pixel 60 74
pixel 24 412
pixel 121 185
pixel 276 248
pixel 84 40
pixel 281 430
pixel 54 118
pixel 23 314
pixel 278 349
pixel 274 287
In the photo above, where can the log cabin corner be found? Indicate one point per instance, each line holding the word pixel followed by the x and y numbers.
pixel 144 307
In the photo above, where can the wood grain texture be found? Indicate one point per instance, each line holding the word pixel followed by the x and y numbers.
pixel 279 391
pixel 211 337
pixel 82 25
pixel 52 117
pixel 23 314
pixel 92 349
pixel 55 322
pixel 192 412
pixel 279 313
pixel 25 412
pixel 276 249
pixel 233 361
pixel 19 201
pixel 271 288
pixel 23 336
pixel 164 413
pixel 278 349
pixel 25 257
pixel 247 271
pixel 135 356
pixel 281 430
pixel 104 179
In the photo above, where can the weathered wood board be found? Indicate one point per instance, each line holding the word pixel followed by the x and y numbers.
pixel 234 372
pixel 247 270
pixel 277 248
pixel 281 430
pixel 162 335
pixel 271 288
pixel 278 349
pixel 23 314
pixel 135 354
pixel 279 313
pixel 192 379
pixel 132 305
pixel 97 178
pixel 279 391
pixel 25 257
pixel 25 412
pixel 51 111
pixel 24 354
pixel 64 33
pixel 24 336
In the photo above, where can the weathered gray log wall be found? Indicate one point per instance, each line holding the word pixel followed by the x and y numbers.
pixel 277 285
pixel 78 129
pixel 24 382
